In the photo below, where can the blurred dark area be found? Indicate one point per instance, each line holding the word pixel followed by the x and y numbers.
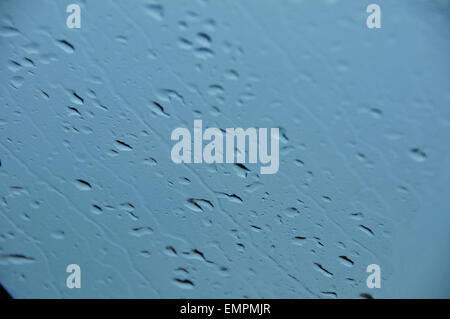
pixel 4 294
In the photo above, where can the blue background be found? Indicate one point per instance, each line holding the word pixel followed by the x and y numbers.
pixel 365 122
